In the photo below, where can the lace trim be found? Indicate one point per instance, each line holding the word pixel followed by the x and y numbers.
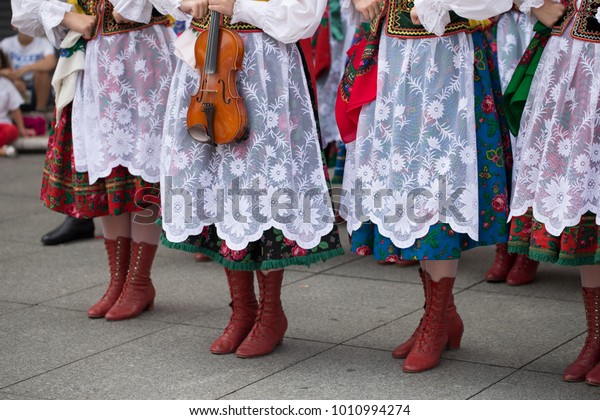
pixel 527 5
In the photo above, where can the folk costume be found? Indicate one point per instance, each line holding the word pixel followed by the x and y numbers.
pixel 555 204
pixel 429 163
pixel 104 150
pixel 514 30
pixel 341 33
pixel 223 200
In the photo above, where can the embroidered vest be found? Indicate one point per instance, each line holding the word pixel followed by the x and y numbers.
pixel 203 24
pixel 106 23
pixel 399 24
pixel 585 27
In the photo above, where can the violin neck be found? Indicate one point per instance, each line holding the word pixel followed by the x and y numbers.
pixel 212 49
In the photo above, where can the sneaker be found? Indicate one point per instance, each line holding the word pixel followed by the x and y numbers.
pixel 8 151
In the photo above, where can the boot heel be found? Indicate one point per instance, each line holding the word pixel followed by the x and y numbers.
pixel 454 342
pixel 150 306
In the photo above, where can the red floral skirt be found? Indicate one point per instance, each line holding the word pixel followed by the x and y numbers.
pixel 67 191
pixel 577 245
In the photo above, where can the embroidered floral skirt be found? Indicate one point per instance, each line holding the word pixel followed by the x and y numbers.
pixel 67 191
pixel 494 161
pixel 577 245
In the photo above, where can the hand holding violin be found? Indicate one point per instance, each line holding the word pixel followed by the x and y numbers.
pixel 222 6
pixel 197 8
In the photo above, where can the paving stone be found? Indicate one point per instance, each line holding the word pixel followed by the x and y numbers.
pixel 333 309
pixel 23 176
pixel 171 364
pixel 184 290
pixel 349 373
pixel 6 307
pixel 527 385
pixel 513 330
pixel 8 396
pixel 39 339
pixel 552 282
pixel 499 330
pixel 558 359
pixel 12 249
pixel 55 272
pixel 13 208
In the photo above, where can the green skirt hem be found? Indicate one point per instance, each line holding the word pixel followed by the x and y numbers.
pixel 253 266
pixel 552 257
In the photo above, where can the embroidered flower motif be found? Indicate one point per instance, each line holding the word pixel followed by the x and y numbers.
pixel 435 110
pixel 278 173
pixel 559 199
pixel 238 167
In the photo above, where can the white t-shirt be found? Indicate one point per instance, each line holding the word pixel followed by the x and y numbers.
pixel 10 99
pixel 24 55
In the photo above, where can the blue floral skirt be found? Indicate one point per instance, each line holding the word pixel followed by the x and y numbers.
pixel 494 159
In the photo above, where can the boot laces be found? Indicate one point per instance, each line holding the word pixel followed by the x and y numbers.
pixel 428 325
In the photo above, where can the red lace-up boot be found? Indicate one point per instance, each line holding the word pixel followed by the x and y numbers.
pixel 502 264
pixel 271 323
pixel 590 353
pixel 138 292
pixel 455 323
pixel 433 335
pixel 522 272
pixel 119 251
pixel 243 315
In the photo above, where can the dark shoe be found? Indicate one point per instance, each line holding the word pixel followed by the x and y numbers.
pixel 70 230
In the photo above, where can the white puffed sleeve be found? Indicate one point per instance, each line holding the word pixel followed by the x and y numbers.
pixel 170 7
pixel 136 10
pixel 287 21
pixel 41 17
pixel 598 15
pixel 435 14
pixel 347 7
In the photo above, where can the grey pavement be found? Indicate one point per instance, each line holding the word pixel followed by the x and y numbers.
pixel 346 315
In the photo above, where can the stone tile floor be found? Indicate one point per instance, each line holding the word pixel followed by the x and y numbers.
pixel 345 317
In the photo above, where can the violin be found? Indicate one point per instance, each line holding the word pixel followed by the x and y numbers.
pixel 217 112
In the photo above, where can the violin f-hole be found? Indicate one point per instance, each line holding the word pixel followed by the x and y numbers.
pixel 225 99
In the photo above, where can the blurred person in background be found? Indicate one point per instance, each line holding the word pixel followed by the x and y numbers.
pixel 32 59
pixel 11 119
